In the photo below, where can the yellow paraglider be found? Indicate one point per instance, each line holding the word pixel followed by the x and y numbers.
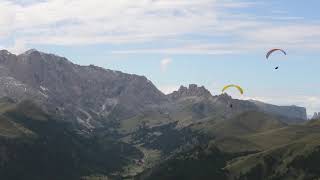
pixel 234 86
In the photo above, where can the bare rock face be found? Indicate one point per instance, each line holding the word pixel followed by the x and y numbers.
pixel 193 90
pixel 292 112
pixel 88 95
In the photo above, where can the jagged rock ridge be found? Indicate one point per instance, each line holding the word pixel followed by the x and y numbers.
pixel 193 90
pixel 85 94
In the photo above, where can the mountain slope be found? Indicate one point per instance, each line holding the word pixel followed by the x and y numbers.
pixel 295 160
pixel 88 95
pixel 228 135
pixel 246 123
pixel 293 113
pixel 197 163
pixel 283 152
pixel 33 145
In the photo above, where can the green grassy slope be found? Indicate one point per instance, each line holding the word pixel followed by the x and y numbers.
pixel 253 146
pixel 243 124
pixel 296 160
pixel 33 145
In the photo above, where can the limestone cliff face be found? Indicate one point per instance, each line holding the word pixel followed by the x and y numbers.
pixel 292 112
pixel 85 93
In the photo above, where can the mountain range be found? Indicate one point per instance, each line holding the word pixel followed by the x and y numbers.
pixel 101 123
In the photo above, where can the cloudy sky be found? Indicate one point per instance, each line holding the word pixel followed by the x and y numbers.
pixel 178 42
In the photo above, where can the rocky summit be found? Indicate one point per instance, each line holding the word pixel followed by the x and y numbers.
pixel 84 94
pixel 193 90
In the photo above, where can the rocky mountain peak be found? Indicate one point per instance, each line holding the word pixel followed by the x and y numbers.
pixel 35 55
pixel 4 52
pixel 85 93
pixel 224 96
pixel 192 90
pixel 30 51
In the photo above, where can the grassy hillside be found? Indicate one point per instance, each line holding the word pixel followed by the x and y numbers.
pixel 243 124
pixel 197 163
pixel 33 145
pixel 296 160
pixel 253 146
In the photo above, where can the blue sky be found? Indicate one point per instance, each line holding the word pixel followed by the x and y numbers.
pixel 178 42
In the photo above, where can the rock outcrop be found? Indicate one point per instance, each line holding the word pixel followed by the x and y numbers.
pixel 291 112
pixel 192 90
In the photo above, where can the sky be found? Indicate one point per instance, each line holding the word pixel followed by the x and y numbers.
pixel 180 42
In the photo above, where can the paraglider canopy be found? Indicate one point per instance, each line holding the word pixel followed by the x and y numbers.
pixel 274 50
pixel 234 86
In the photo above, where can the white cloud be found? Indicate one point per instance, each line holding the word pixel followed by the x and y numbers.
pixel 164 63
pixel 83 22
pixel 73 22
pixel 178 50
pixel 288 34
pixel 299 38
pixel 230 4
pixel 68 22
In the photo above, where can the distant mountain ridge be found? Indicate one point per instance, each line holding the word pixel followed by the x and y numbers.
pixel 91 96
pixel 292 112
